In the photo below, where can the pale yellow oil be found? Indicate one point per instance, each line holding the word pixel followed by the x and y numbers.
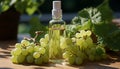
pixel 56 30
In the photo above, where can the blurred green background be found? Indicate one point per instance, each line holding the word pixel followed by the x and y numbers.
pixel 69 7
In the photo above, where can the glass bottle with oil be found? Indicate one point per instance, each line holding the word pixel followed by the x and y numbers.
pixel 56 30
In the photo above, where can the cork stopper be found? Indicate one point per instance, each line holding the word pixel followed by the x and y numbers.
pixel 56 11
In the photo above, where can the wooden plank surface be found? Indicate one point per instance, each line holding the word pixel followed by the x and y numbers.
pixel 5 63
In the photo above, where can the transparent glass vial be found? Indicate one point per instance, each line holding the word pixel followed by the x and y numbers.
pixel 56 30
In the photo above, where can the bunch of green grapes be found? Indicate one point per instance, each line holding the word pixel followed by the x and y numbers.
pixel 31 52
pixel 81 48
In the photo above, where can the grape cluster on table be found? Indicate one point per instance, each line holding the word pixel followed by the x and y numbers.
pixel 81 48
pixel 75 50
pixel 30 52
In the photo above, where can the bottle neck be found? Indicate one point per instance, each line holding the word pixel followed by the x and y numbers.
pixel 57 18
pixel 56 14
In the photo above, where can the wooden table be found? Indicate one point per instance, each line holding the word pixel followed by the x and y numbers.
pixel 5 62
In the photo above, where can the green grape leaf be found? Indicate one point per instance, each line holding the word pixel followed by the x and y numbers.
pixel 103 29
pixel 31 10
pixel 36 26
pixel 99 21
pixel 40 2
pixel 71 30
pixel 87 17
pixel 32 6
pixel 104 8
pixel 20 6
pixel 76 20
pixel 87 14
pixel 99 51
pixel 5 5
pixel 86 25
pixel 112 41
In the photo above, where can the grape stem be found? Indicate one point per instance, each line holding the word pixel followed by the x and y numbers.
pixel 37 34
pixel 34 39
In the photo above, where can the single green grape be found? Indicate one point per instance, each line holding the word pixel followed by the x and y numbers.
pixel 38 61
pixel 17 45
pixel 43 44
pixel 92 51
pixel 91 57
pixel 30 49
pixel 66 54
pixel 88 33
pixel 42 40
pixel 79 61
pixel 36 54
pixel 73 39
pixel 71 59
pixel 14 59
pixel 36 48
pixel 83 46
pixel 24 52
pixel 25 43
pixel 30 59
pixel 82 33
pixel 17 51
pixel 80 41
pixel 42 50
pixel 81 54
pixel 77 35
pixel 45 58
pixel 89 41
pixel 20 58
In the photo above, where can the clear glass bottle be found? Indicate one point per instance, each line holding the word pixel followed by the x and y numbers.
pixel 56 30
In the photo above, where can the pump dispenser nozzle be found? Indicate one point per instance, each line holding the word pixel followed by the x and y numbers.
pixel 56 11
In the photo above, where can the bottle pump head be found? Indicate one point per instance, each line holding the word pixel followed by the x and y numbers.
pixel 57 11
